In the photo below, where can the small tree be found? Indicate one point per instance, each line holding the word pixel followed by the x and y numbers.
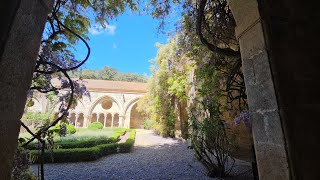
pixel 212 144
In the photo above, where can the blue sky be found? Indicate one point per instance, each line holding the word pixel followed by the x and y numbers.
pixel 127 44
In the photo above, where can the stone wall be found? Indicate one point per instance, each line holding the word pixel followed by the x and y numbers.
pixel 269 142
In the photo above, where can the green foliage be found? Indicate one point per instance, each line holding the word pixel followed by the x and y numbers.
pixel 148 124
pixel 71 129
pixel 212 143
pixel 87 154
pixel 109 73
pixel 83 142
pixel 167 87
pixel 35 118
pixel 95 125
pixel 127 146
pixel 56 130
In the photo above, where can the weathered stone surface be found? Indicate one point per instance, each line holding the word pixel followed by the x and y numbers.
pixel 246 16
pixel 258 79
pixel 267 130
pixel 272 161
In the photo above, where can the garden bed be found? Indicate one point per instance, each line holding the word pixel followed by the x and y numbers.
pixel 87 153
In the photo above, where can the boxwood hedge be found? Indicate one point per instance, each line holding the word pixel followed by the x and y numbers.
pixel 86 153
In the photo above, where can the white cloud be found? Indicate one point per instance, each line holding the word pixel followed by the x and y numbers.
pixel 97 29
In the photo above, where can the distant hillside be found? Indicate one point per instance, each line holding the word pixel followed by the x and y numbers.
pixel 108 73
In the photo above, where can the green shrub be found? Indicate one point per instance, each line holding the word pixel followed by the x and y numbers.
pixel 96 125
pixel 87 154
pixel 35 118
pixel 71 129
pixel 56 129
pixel 78 144
pixel 69 155
pixel 147 124
pixel 127 146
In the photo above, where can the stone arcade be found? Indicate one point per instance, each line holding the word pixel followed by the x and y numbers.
pixel 113 103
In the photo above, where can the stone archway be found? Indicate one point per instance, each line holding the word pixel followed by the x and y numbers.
pixel 80 121
pixel 104 107
pixel 72 118
pixel 105 104
pixel 93 118
pixel 136 118
pixel 108 120
pixel 101 118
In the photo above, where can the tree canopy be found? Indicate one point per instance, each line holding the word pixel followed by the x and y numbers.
pixel 108 73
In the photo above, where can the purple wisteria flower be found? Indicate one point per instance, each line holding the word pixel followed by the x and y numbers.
pixel 244 117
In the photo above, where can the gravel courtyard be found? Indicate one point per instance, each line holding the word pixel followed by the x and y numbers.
pixel 153 157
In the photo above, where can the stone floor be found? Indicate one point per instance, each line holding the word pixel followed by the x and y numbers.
pixel 153 157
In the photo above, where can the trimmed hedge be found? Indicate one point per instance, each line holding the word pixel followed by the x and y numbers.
pixel 127 146
pixel 95 125
pixel 87 143
pixel 87 154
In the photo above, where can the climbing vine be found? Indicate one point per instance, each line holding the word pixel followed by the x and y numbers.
pixel 67 25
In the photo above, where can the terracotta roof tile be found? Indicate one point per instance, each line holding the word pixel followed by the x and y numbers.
pixel 104 85
pixel 114 86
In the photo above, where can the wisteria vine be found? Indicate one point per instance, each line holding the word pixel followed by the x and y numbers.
pixel 48 65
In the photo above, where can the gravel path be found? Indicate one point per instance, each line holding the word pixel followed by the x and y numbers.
pixel 153 157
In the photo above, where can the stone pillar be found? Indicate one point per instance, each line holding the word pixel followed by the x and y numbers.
pixel 104 120
pixel 76 120
pixel 121 120
pixel 98 115
pixel 85 121
pixel 127 120
pixel 112 116
pixel 22 24
pixel 269 142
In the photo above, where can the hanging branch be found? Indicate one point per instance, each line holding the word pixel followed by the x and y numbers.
pixel 46 68
pixel 235 86
pixel 214 48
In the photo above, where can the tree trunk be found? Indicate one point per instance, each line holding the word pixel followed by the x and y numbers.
pixel 20 38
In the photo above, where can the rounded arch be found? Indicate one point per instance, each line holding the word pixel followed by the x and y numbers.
pixel 96 102
pixel 131 104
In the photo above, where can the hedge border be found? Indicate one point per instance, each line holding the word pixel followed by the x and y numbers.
pixel 87 143
pixel 87 154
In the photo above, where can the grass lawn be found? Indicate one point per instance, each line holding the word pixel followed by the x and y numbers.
pixel 83 134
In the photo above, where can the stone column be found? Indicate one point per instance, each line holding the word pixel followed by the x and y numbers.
pixel 76 120
pixel 85 121
pixel 97 116
pixel 105 120
pixel 112 116
pixel 269 142
pixel 121 120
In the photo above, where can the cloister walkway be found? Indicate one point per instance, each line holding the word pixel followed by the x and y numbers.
pixel 153 157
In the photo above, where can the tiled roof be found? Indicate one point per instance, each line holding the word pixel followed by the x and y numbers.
pixel 119 86
pixel 113 86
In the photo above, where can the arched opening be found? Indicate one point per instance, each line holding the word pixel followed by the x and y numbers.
pixel 136 118
pixel 80 122
pixel 72 118
pixel 93 118
pixel 101 118
pixel 116 120
pixel 109 119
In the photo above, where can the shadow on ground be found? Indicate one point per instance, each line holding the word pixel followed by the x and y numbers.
pixel 161 158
